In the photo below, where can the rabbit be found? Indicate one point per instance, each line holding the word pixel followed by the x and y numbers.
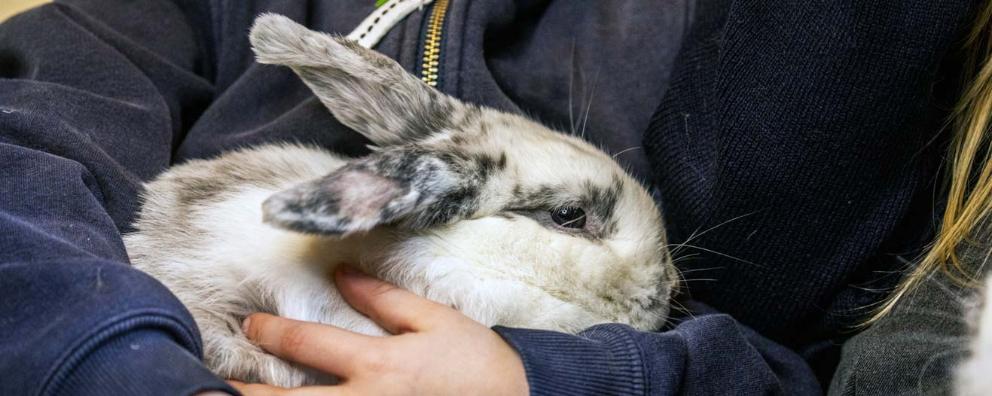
pixel 490 213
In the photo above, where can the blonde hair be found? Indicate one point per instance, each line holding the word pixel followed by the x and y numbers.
pixel 969 193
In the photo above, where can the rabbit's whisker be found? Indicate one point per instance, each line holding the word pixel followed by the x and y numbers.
pixel 720 254
pixel 614 156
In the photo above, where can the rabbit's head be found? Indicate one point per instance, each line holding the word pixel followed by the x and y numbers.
pixel 495 198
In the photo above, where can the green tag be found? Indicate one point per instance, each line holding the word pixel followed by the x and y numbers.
pixel 379 3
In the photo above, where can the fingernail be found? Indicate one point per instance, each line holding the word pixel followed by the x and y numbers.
pixel 245 325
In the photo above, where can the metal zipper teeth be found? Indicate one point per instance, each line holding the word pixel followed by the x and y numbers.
pixel 432 43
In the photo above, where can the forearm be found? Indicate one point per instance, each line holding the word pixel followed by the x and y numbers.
pixel 89 109
pixel 72 307
pixel 709 353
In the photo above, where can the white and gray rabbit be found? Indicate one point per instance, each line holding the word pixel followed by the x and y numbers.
pixel 490 213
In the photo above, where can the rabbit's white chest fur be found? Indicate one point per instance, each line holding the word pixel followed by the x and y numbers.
pixel 487 212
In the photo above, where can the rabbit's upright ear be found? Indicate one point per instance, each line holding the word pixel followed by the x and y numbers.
pixel 409 187
pixel 365 90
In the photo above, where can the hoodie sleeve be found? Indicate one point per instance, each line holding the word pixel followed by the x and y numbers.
pixel 93 98
pixel 708 353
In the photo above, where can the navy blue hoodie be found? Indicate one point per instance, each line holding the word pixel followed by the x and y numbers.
pixel 793 146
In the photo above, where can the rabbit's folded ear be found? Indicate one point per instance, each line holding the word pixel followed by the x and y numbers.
pixel 346 201
pixel 365 90
pixel 408 187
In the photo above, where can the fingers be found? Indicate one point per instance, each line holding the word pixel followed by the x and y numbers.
pixel 257 389
pixel 323 347
pixel 396 310
pixel 269 390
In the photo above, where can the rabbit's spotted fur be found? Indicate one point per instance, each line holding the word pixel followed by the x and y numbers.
pixel 454 204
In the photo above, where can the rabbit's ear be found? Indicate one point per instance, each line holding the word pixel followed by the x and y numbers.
pixel 409 187
pixel 365 90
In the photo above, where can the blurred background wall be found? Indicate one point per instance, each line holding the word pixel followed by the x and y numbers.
pixel 11 7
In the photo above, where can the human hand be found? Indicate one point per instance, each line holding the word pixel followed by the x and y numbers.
pixel 435 349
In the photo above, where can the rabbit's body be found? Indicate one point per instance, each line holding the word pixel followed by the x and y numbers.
pixel 202 236
pixel 490 213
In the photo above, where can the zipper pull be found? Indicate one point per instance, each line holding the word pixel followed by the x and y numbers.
pixel 381 21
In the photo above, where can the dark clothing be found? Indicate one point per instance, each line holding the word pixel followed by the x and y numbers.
pixel 810 130
pixel 915 349
pixel 799 126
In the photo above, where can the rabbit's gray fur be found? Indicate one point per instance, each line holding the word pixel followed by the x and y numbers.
pixel 453 205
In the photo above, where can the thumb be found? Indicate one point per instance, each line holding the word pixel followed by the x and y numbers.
pixel 396 310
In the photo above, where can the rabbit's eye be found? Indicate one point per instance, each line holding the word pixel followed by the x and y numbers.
pixel 569 217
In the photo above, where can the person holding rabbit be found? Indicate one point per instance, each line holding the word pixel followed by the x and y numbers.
pixel 791 146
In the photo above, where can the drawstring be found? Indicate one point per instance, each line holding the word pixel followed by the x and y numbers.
pixel 379 22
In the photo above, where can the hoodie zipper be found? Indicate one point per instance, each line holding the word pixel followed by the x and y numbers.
pixel 429 68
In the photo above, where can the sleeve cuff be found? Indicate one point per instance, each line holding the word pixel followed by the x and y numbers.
pixel 705 354
pixel 145 362
pixel 601 360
